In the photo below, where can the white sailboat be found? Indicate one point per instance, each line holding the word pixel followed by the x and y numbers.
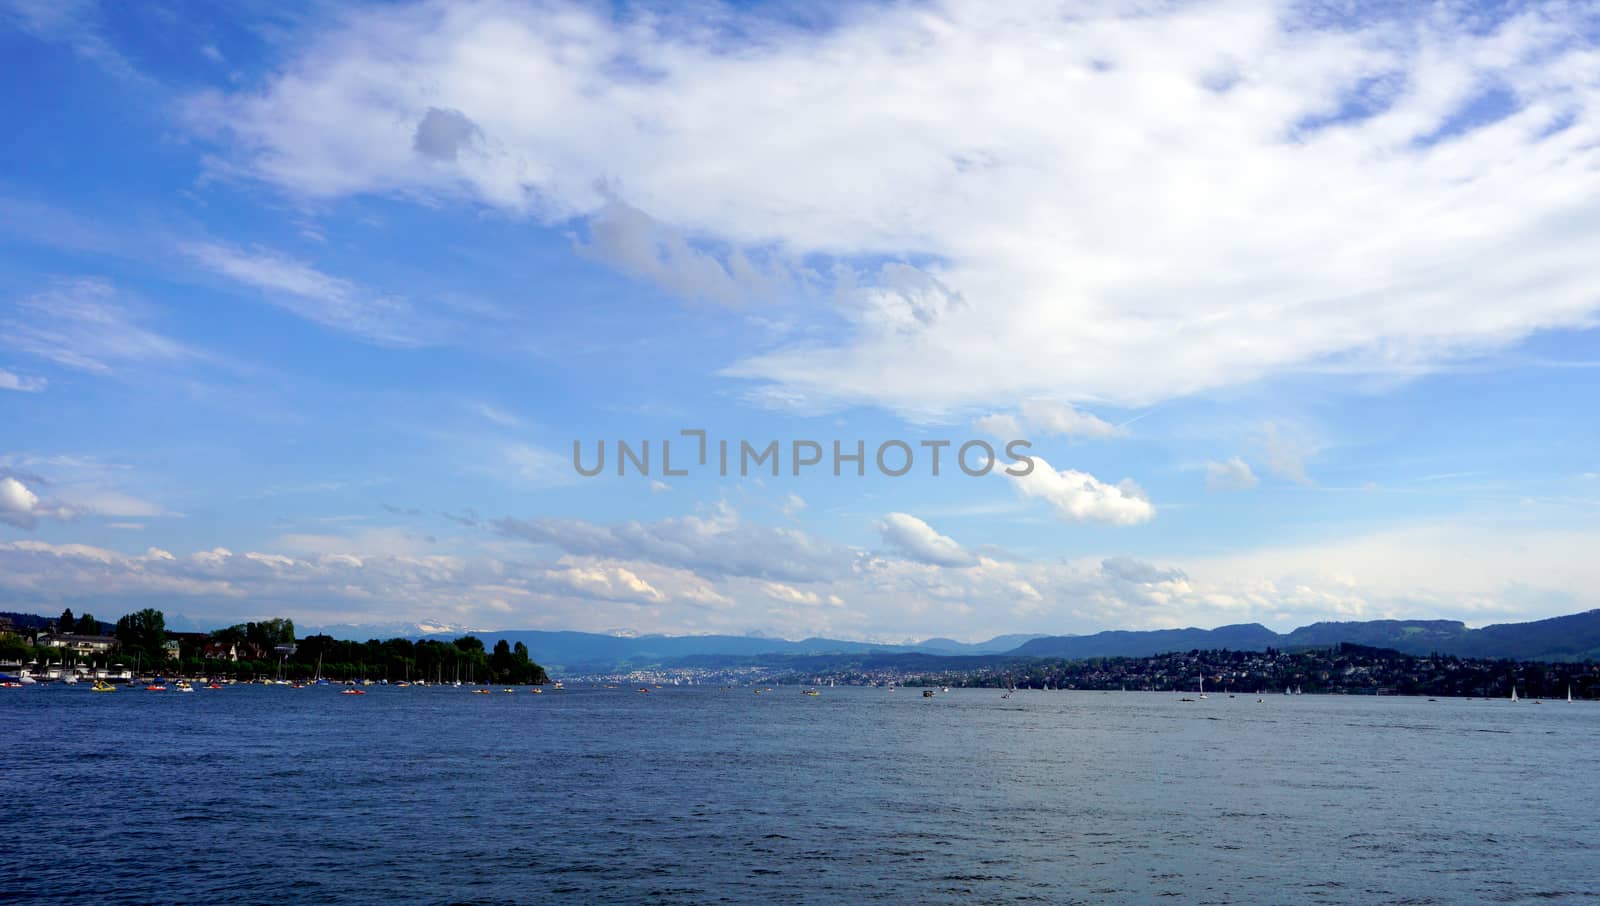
pixel 1513 691
pixel 1202 685
pixel 1569 695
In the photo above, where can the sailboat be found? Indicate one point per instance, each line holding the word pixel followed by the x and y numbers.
pixel 1569 694
pixel 1513 691
pixel 1202 685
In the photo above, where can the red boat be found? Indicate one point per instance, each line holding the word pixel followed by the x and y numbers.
pixel 353 692
pixel 155 688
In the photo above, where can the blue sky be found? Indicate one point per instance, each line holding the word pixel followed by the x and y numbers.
pixel 301 312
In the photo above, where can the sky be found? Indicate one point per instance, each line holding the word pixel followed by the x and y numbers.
pixel 304 308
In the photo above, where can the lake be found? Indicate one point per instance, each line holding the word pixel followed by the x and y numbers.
pixel 696 795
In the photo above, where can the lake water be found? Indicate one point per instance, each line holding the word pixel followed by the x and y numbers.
pixel 694 795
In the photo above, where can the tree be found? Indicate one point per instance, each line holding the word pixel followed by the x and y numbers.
pixel 88 625
pixel 501 662
pixel 67 623
pixel 144 634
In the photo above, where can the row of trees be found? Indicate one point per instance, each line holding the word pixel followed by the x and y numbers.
pixel 464 659
pixel 143 638
pixel 84 625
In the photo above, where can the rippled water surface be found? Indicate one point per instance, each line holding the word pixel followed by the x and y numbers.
pixel 270 794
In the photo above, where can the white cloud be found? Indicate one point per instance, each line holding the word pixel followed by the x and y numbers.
pixel 1000 427
pixel 1491 572
pixel 535 466
pixel 22 508
pixel 1232 475
pixel 917 540
pixel 315 296
pixel 1203 216
pixel 1047 417
pixel 87 325
pixel 794 505
pixel 1081 497
pixel 1286 452
pixel 717 544
pixel 12 381
pixel 17 503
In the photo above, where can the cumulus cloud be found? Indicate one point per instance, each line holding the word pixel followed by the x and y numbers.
pixel 17 503
pixel 1048 417
pixel 643 247
pixel 1081 497
pixel 443 134
pixel 1211 212
pixel 1484 570
pixel 1000 426
pixel 1233 475
pixel 22 508
pixel 916 539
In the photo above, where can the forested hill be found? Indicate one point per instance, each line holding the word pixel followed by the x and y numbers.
pixel 1575 637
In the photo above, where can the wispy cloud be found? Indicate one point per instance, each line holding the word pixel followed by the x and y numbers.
pixel 316 296
pixel 88 325
pixel 1233 475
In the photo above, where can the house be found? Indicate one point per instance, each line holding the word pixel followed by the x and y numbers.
pixel 220 651
pixel 83 645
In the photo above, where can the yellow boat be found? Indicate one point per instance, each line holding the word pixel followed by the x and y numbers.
pixel 102 686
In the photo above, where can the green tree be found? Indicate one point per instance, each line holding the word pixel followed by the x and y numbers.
pixel 144 634
pixel 88 625
pixel 500 662
pixel 67 623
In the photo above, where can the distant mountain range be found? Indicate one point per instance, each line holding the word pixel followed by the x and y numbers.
pixel 594 652
pixel 1574 637
pixel 1569 638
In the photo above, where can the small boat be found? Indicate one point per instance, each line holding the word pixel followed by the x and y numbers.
pixel 102 686
pixel 481 692
pixel 214 686
pixel 536 690
pixel 155 687
pixel 927 693
pixel 1569 695
pixel 1202 686
pixel 183 686
pixel 557 685
pixel 644 688
pixel 1513 691
pixel 509 691
pixel 354 691
pixel 811 692
pixel 944 688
